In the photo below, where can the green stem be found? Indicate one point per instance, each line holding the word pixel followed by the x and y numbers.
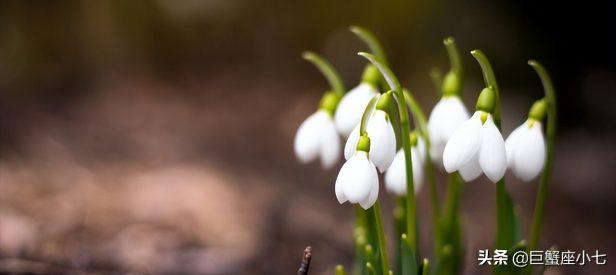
pixel 547 169
pixel 370 39
pixel 335 82
pixel 361 239
pixel 394 84
pixel 381 238
pixel 421 123
pixel 366 115
pixel 490 81
pixel 454 56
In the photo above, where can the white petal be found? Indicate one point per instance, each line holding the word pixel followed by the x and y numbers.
pixel 352 106
pixel 421 148
pixel 454 114
pixel 340 193
pixel 512 141
pixel 471 170
pixel 529 157
pixel 395 178
pixel 418 171
pixel 382 140
pixel 436 153
pixel 307 139
pixel 463 144
pixel 371 199
pixel 435 122
pixel 357 177
pixel 351 143
pixel 492 155
pixel 330 144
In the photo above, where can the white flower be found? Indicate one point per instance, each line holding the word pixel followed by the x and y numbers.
pixel 526 150
pixel 358 181
pixel 317 137
pixel 395 178
pixel 475 148
pixel 352 106
pixel 382 140
pixel 446 116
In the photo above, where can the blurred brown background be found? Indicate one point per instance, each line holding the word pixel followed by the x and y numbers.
pixel 156 136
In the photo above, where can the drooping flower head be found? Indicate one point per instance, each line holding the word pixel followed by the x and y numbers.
pixel 477 145
pixel 353 104
pixel 317 136
pixel 525 146
pixel 447 115
pixel 395 178
pixel 381 133
pixel 449 112
pixel 358 180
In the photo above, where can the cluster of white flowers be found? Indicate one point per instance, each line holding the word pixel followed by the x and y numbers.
pixel 458 143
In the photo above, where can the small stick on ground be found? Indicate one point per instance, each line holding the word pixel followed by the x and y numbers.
pixel 305 265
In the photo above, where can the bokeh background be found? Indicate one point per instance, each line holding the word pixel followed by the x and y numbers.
pixel 156 136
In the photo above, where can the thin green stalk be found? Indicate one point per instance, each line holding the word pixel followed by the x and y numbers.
pixel 376 209
pixel 361 239
pixel 542 194
pixel 421 123
pixel 399 228
pixel 394 85
pixel 370 39
pixel 336 83
pixel 490 81
pixel 454 56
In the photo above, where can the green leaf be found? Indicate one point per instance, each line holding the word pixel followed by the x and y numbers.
pixel 409 263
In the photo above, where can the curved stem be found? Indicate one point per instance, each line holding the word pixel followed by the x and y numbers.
pixel 389 76
pixel 547 169
pixel 370 39
pixel 332 76
pixel 366 115
pixel 490 81
pixel 411 225
pixel 454 56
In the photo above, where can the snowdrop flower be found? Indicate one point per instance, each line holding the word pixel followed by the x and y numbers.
pixel 526 146
pixel 353 104
pixel 317 135
pixel 477 145
pixel 382 137
pixel 395 178
pixel 446 116
pixel 358 180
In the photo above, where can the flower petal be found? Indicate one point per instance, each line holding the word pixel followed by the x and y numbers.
pixel 435 122
pixel 307 139
pixel 395 178
pixel 529 157
pixel 357 177
pixel 454 114
pixel 330 144
pixel 418 171
pixel 382 140
pixel 471 170
pixel 340 193
pixel 512 141
pixel 351 107
pixel 371 199
pixel 463 144
pixel 351 144
pixel 492 155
